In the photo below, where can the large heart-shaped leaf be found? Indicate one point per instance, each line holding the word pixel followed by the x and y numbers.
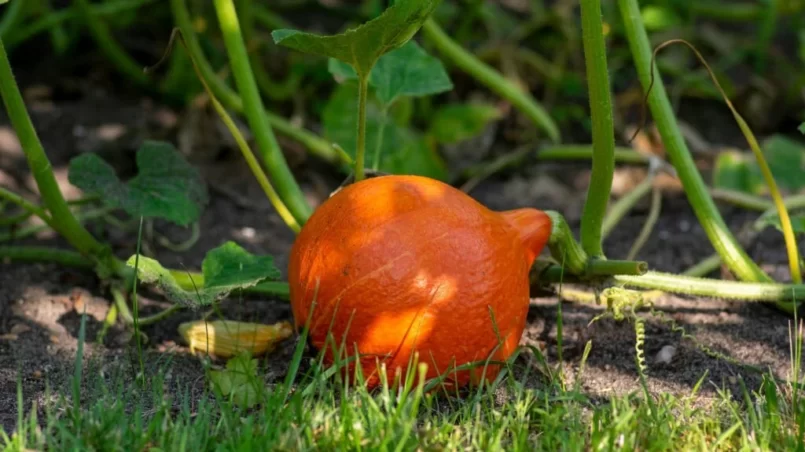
pixel 225 269
pixel 166 186
pixel 402 151
pixel 407 71
pixel 361 47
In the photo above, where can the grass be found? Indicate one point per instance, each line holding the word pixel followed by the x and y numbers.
pixel 528 407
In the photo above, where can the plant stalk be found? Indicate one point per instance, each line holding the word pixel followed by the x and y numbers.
pixel 492 79
pixel 363 93
pixel 287 186
pixel 703 205
pixel 39 164
pixel 315 144
pixel 595 57
pixel 105 41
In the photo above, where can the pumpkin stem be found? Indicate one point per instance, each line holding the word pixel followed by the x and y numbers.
pixel 534 228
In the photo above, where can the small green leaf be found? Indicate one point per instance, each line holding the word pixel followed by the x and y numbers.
pixel 801 128
pixel 225 269
pixel 737 171
pixel 238 381
pixel 407 71
pixel 772 219
pixel 166 186
pixel 458 122
pixel 786 159
pixel 402 150
pixel 361 47
pixel 658 18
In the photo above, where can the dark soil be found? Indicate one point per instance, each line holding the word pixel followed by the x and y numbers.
pixel 40 304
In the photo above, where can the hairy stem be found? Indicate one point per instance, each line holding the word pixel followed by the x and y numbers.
pixel 489 77
pixel 697 192
pixel 595 58
pixel 732 290
pixel 287 187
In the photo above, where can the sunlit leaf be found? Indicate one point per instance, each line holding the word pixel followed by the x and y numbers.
pixel 225 269
pixel 407 71
pixel 401 150
pixel 361 47
pixel 801 128
pixel 166 186
pixel 239 381
pixel 458 122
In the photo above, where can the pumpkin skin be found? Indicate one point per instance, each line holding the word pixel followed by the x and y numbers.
pixel 405 264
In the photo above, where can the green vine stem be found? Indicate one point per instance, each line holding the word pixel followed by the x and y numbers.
pixel 186 280
pixel 623 205
pixel 707 265
pixel 32 254
pixel 35 229
pixel 648 226
pixel 62 217
pixel 316 145
pixel 564 248
pixel 703 205
pixel 777 198
pixel 254 111
pixel 273 196
pixel 12 13
pixel 585 152
pixel 490 78
pixel 732 290
pixel 106 42
pixel 363 93
pixel 55 18
pixel 27 206
pixel 595 58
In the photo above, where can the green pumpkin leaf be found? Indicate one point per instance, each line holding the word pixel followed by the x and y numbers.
pixel 225 269
pixel 402 151
pixel 361 47
pixel 459 122
pixel 737 171
pixel 786 159
pixel 407 71
pixel 166 186
pixel 238 381
pixel 772 219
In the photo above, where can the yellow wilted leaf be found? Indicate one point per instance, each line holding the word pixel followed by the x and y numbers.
pixel 227 338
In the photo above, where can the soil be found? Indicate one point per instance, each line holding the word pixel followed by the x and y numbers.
pixel 40 304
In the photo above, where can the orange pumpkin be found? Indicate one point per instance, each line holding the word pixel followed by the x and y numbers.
pixel 408 263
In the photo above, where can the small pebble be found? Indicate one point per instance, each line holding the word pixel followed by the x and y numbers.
pixel 665 355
